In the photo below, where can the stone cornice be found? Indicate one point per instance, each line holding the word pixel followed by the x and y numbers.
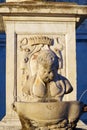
pixel 43 9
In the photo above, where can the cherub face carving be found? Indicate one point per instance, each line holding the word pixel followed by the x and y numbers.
pixel 47 65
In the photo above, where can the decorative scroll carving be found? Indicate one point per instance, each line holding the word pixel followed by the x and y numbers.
pixel 30 48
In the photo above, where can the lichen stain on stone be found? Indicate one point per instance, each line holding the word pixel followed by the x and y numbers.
pixel 35 4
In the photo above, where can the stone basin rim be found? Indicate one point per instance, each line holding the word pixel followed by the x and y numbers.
pixel 54 111
pixel 47 102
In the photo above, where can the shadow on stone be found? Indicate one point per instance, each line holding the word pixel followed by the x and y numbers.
pixel 80 129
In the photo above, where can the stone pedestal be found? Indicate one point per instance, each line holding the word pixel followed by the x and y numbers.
pixel 24 20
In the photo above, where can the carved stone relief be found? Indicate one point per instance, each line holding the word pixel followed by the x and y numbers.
pixel 33 52
pixel 41 84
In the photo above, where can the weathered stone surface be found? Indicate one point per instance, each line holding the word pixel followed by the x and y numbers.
pixel 55 21
pixel 10 124
pixel 49 115
pixel 45 9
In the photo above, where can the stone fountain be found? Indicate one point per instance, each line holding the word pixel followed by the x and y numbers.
pixel 41 87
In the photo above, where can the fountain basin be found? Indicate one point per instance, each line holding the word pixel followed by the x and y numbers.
pixel 50 112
